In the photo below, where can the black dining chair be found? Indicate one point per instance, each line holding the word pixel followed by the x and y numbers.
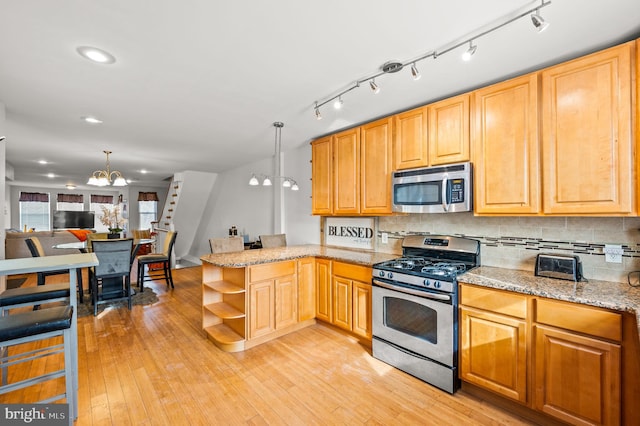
pixel 36 249
pixel 111 278
pixel 164 258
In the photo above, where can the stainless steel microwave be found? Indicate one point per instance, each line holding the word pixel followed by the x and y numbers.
pixel 438 189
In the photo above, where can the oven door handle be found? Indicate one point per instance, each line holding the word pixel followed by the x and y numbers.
pixel 425 294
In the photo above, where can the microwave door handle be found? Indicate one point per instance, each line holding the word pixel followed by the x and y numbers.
pixel 445 205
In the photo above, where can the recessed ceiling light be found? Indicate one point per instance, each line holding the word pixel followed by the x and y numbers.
pixel 50 175
pixel 144 172
pixel 91 120
pixel 70 186
pixel 96 55
pixel 43 162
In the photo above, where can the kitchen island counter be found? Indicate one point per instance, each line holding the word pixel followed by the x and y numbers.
pixel 256 257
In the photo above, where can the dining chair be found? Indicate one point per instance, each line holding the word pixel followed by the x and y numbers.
pixel 226 245
pixel 163 258
pixel 275 240
pixel 111 278
pixel 95 236
pixel 141 234
pixel 36 249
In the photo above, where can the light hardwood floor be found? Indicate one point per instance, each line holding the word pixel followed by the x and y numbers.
pixel 153 365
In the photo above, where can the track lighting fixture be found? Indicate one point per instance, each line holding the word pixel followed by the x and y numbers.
pixel 466 56
pixel 539 22
pixel 414 72
pixel 338 103
pixel 394 66
pixel 374 86
pixel 288 182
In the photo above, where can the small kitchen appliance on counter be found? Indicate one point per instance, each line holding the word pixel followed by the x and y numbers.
pixel 415 307
pixel 561 266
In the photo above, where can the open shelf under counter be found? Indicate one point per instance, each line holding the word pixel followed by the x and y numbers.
pixel 225 338
pixel 224 287
pixel 224 311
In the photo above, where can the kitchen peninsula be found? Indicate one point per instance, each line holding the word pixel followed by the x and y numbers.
pixel 254 296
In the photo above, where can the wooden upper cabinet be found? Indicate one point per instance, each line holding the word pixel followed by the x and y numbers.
pixel 322 176
pixel 411 144
pixel 506 147
pixel 346 172
pixel 587 141
pixel 376 164
pixel 449 130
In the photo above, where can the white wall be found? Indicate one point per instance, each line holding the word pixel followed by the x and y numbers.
pixel 251 208
pixel 3 162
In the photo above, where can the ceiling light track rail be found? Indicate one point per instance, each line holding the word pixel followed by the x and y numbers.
pixel 394 66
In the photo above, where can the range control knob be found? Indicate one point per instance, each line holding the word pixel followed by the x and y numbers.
pixel 436 284
pixel 390 275
pixel 427 283
pixel 381 273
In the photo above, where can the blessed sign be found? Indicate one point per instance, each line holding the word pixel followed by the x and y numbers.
pixel 349 232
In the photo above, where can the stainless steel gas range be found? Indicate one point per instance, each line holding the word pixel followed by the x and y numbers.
pixel 415 304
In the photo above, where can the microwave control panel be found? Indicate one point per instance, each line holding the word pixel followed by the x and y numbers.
pixel 455 190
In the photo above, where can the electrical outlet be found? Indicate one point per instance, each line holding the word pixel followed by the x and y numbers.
pixel 384 238
pixel 613 253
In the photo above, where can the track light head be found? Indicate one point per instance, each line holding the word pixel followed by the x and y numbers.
pixel 374 87
pixel 266 181
pixel 414 72
pixel 318 115
pixel 466 56
pixel 254 180
pixel 338 103
pixel 539 22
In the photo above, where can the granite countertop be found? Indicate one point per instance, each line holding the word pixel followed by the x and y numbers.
pixel 603 294
pixel 255 257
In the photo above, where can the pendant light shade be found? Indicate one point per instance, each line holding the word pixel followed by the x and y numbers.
pixel 267 180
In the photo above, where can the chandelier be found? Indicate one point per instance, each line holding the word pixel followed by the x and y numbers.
pixel 104 177
pixel 267 180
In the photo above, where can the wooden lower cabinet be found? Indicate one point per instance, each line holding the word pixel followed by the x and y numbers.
pixel 361 311
pixel 273 297
pixel 306 289
pixel 493 352
pixel 342 296
pixel 262 319
pixel 559 358
pixel 351 297
pixel 324 308
pixel 577 367
pixel 577 378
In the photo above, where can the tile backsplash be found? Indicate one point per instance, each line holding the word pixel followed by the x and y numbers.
pixel 514 242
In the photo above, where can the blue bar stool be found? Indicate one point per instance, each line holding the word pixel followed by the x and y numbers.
pixel 31 326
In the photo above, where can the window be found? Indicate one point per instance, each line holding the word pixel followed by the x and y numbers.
pixel 97 202
pixel 70 202
pixel 34 211
pixel 147 209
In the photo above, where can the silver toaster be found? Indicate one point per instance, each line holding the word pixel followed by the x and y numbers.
pixel 561 266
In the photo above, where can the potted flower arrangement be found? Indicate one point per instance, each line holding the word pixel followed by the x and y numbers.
pixel 113 220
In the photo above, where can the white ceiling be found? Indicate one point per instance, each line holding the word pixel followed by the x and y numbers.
pixel 198 83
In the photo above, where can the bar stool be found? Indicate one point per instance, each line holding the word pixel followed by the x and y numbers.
pixel 31 326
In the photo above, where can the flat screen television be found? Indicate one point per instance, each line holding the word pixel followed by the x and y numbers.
pixel 67 219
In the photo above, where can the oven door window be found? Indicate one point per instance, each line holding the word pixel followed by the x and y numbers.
pixel 418 193
pixel 416 320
